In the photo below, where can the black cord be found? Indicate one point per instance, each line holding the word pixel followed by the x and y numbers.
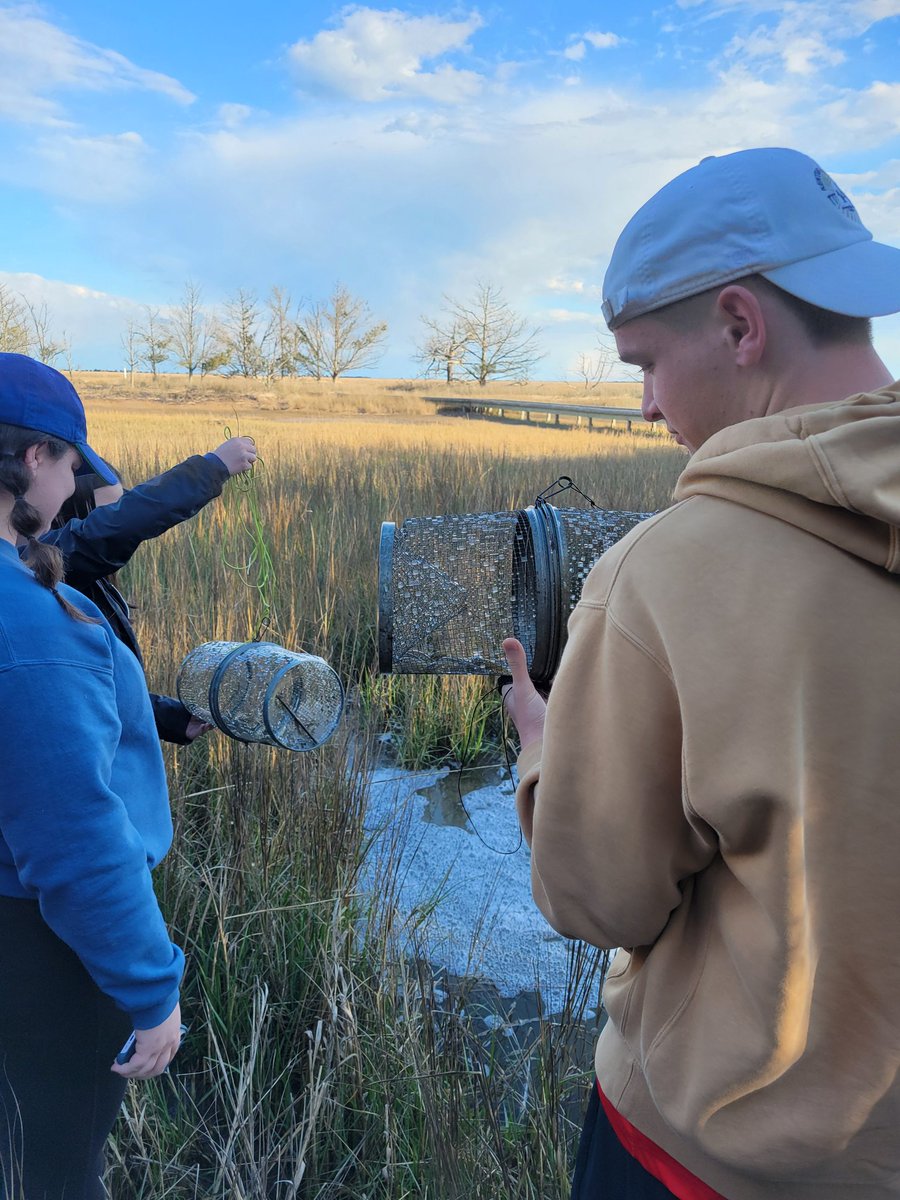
pixel 563 484
pixel 488 697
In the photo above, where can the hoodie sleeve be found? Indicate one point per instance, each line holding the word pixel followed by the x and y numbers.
pixel 104 541
pixel 601 796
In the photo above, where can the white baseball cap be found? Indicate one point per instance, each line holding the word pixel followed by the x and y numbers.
pixel 769 212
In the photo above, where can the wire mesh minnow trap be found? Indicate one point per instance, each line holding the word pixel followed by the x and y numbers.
pixel 451 588
pixel 260 692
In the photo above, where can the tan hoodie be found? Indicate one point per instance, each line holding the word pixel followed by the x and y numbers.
pixel 718 789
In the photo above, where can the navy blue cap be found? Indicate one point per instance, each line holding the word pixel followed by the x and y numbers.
pixel 36 396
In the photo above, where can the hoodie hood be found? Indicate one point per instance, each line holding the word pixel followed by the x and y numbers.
pixel 830 469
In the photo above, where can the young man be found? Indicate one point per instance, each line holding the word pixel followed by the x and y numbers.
pixel 715 783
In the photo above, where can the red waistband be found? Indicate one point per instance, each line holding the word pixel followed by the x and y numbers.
pixel 653 1158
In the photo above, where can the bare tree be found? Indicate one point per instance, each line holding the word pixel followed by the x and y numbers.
pixel 339 336
pixel 216 352
pixel 154 340
pixel 190 328
pixel 285 337
pixel 42 344
pixel 596 367
pixel 496 343
pixel 312 349
pixel 13 323
pixel 442 350
pixel 131 344
pixel 243 335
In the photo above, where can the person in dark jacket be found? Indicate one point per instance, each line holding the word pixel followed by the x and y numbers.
pixel 101 526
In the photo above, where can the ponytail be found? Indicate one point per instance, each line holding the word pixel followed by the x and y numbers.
pixel 45 561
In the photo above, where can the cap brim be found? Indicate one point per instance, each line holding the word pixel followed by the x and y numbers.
pixel 862 280
pixel 95 463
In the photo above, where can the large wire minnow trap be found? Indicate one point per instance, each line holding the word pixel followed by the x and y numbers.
pixel 451 588
pixel 260 692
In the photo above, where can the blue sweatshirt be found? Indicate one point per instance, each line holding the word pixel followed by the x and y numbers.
pixel 84 813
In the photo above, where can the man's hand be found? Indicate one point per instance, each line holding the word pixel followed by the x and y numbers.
pixel 154 1049
pixel 238 454
pixel 524 703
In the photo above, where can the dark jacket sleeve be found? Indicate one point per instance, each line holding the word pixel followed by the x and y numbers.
pixel 104 541
pixel 171 719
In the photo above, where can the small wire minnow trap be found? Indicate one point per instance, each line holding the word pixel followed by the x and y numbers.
pixel 451 588
pixel 260 692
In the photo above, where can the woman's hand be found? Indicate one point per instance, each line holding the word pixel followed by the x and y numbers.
pixel 524 703
pixel 238 454
pixel 196 727
pixel 154 1049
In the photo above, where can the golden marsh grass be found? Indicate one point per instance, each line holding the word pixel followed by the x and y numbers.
pixel 318 1062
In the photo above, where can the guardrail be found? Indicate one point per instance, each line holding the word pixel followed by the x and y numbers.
pixel 583 415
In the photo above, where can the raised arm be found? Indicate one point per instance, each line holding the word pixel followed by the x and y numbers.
pixel 105 540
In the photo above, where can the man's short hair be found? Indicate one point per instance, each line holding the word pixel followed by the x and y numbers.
pixel 823 328
pixel 768 212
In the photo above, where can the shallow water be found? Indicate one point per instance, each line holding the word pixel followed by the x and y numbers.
pixel 445 798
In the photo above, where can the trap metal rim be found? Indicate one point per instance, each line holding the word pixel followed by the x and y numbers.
pixel 385 597
pixel 218 718
pixel 242 688
pixel 315 739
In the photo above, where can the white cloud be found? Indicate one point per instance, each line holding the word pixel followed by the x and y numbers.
pixel 38 59
pixel 886 175
pixel 88 318
pixel 566 316
pixel 870 115
pixel 233 114
pixel 878 10
pixel 800 37
pixel 579 43
pixel 378 55
pixel 572 287
pixel 106 169
pixel 794 44
pixel 603 41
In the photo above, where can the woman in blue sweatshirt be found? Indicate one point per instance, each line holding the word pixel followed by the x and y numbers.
pixel 84 952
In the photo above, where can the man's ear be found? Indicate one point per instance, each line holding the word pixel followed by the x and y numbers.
pixel 743 322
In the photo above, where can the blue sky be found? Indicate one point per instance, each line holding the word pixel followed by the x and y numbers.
pixel 410 151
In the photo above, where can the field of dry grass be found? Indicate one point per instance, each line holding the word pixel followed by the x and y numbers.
pixel 318 1062
pixel 395 397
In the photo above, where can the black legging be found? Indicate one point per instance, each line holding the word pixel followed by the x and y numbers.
pixel 58 1037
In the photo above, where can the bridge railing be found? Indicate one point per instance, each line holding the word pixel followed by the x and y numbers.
pixel 583 415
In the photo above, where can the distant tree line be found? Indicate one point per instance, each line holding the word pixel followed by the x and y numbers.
pixel 25 328
pixel 249 337
pixel 479 339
